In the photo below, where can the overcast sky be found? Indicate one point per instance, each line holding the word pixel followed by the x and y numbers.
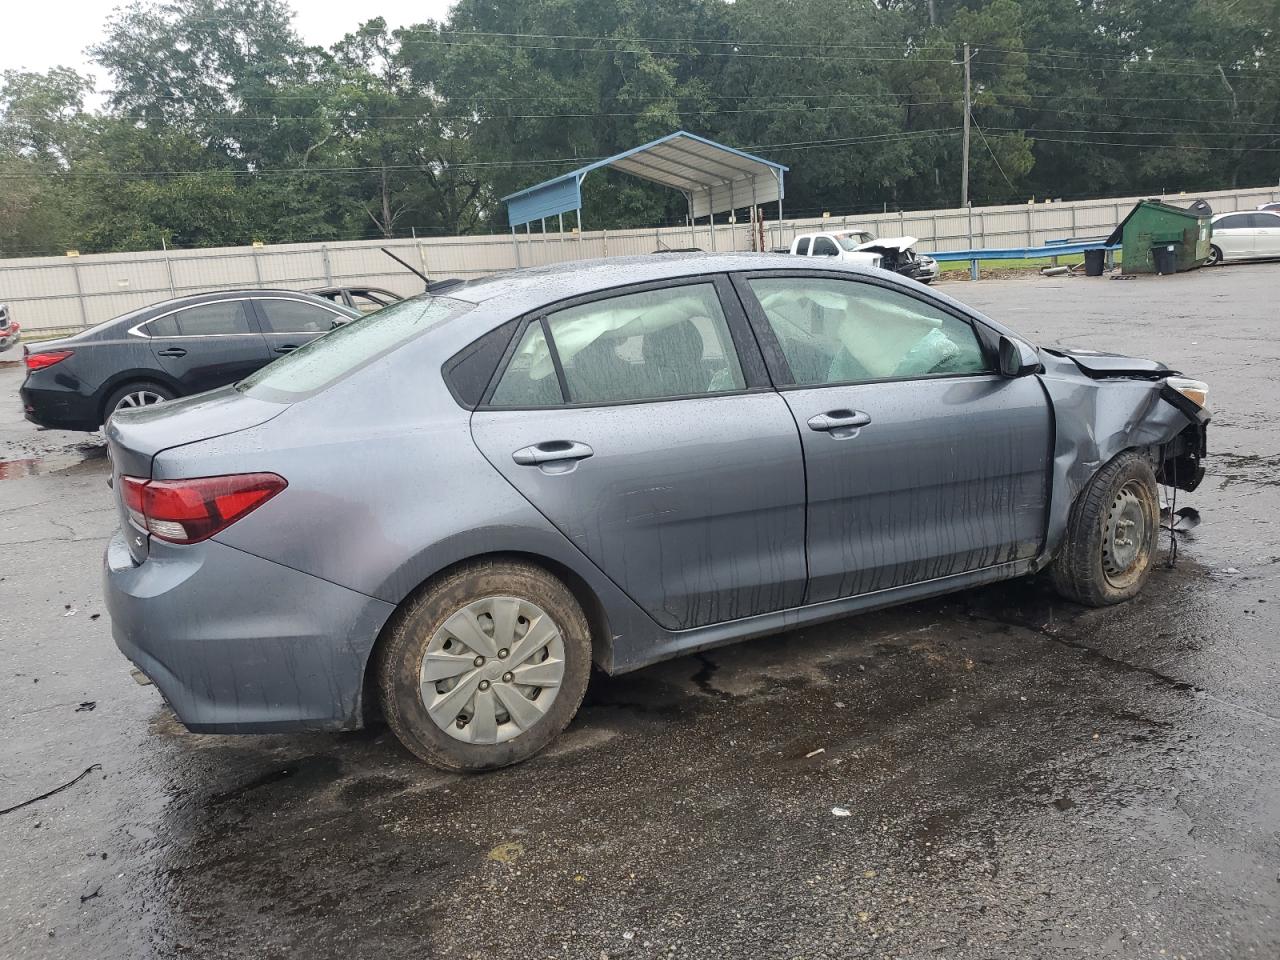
pixel 37 36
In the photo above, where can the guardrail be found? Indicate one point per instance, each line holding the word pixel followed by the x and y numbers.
pixel 1054 248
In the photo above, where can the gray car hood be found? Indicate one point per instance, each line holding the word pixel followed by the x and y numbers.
pixel 1099 364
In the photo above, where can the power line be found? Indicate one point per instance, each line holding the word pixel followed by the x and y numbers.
pixel 1050 52
pixel 340 118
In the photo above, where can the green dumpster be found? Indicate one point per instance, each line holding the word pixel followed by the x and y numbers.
pixel 1153 223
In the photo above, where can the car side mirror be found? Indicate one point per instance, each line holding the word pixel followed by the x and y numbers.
pixel 1017 359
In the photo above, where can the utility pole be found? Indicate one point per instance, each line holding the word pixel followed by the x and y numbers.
pixel 964 173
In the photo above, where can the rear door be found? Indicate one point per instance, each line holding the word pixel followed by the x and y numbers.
pixel 921 461
pixel 208 345
pixel 642 425
pixel 1235 236
pixel 288 323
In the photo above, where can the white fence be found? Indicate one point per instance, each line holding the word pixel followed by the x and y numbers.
pixel 61 293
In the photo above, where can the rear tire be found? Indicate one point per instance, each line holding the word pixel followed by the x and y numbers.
pixel 484 667
pixel 1111 534
pixel 140 393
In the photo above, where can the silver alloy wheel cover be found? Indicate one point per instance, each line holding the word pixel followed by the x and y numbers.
pixel 492 670
pixel 139 398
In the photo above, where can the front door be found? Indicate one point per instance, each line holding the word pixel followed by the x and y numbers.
pixel 921 461
pixel 642 427
pixel 208 345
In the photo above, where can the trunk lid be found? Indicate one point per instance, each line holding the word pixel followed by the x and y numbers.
pixel 135 437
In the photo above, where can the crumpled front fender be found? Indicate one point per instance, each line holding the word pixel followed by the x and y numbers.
pixel 1094 421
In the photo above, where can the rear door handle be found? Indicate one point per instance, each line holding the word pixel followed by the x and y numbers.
pixel 172 352
pixel 551 451
pixel 838 420
pixel 286 348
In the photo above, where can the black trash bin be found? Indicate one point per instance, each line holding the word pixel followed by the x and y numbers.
pixel 1093 261
pixel 1166 258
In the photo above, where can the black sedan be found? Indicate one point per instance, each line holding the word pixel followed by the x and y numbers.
pixel 167 350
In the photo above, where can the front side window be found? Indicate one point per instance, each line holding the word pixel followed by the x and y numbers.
pixel 221 319
pixel 1237 222
pixel 294 316
pixel 673 342
pixel 824 247
pixel 802 247
pixel 843 331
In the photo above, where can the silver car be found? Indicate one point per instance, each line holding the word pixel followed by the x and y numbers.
pixel 447 512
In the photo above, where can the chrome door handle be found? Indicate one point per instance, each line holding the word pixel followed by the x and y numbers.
pixel 172 352
pixel 839 420
pixel 551 451
pixel 286 348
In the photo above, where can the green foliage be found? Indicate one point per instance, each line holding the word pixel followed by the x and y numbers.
pixel 222 126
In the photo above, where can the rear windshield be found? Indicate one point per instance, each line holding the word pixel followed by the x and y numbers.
pixel 332 356
pixel 851 241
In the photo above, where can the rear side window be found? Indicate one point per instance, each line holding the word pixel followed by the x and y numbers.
pixel 329 358
pixel 295 316
pixel 824 247
pixel 224 318
pixel 802 248
pixel 672 342
pixel 530 378
pixel 164 327
pixel 469 371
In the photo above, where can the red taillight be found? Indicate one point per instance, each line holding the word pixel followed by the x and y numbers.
pixel 38 361
pixel 188 511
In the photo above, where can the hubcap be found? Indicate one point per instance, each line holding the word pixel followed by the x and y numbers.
pixel 492 670
pixel 1125 536
pixel 140 398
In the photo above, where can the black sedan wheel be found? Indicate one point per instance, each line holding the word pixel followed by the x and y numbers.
pixel 133 395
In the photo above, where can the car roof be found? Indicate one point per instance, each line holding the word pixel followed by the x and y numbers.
pixel 538 285
pixel 1237 213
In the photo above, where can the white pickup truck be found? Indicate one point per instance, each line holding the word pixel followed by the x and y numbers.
pixel 858 246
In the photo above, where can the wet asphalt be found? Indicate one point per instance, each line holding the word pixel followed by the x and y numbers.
pixel 994 774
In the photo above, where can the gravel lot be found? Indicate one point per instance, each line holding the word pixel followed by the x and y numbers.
pixel 1023 778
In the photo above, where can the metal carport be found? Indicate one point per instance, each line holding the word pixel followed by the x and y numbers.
pixel 713 178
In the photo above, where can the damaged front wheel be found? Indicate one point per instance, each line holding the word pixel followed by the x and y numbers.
pixel 1111 534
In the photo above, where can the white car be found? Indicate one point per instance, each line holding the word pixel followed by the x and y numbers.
pixel 842 246
pixel 1244 236
pixel 858 246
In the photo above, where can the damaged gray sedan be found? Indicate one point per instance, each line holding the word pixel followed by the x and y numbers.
pixel 446 513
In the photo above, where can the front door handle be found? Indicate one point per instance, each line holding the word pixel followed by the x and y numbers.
pixel 172 352
pixel 834 421
pixel 286 348
pixel 551 451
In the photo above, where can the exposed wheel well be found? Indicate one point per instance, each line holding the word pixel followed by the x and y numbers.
pixel 601 638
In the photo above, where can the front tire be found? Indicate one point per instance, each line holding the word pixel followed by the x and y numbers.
pixel 1215 256
pixel 485 667
pixel 1111 535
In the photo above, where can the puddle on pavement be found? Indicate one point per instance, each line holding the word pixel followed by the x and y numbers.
pixel 62 461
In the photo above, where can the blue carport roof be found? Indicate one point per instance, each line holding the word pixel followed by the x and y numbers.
pixel 714 177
